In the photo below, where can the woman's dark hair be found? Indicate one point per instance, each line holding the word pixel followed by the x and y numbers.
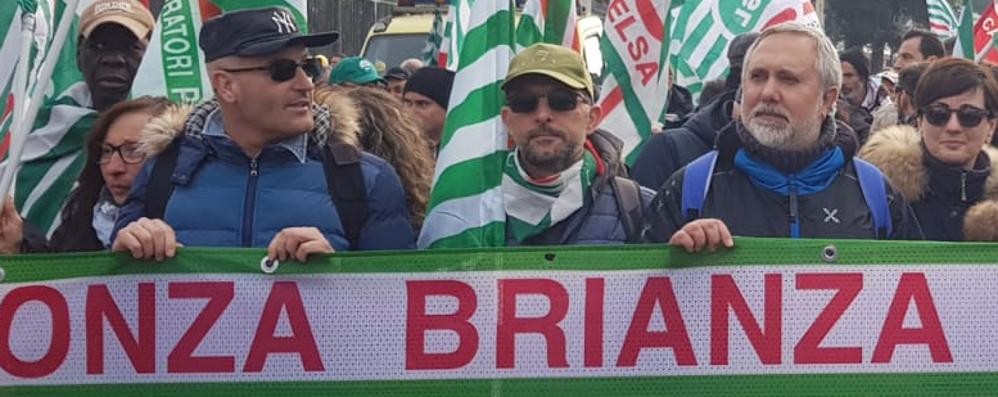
pixel 953 76
pixel 77 215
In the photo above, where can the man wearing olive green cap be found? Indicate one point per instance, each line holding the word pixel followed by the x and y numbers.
pixel 356 71
pixel 565 182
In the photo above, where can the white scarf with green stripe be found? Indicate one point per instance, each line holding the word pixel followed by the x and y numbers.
pixel 533 207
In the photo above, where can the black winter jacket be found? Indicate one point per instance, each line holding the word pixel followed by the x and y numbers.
pixel 839 211
pixel 672 149
pixel 939 194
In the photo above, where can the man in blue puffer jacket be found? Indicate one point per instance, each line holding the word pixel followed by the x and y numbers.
pixel 251 165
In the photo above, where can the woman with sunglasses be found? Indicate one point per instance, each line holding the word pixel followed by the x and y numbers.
pixel 945 166
pixel 114 157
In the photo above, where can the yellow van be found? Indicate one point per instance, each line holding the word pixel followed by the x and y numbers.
pixel 404 35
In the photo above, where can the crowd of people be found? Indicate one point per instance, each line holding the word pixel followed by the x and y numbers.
pixel 307 154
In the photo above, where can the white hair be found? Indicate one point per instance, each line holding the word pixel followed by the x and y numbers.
pixel 828 63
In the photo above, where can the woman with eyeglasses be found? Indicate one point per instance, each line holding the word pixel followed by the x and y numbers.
pixel 945 166
pixel 114 157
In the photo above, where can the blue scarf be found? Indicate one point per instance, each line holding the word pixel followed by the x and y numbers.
pixel 814 178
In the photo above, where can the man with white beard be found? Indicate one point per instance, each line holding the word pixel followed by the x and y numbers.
pixel 785 169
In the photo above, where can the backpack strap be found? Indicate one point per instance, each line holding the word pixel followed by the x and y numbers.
pixel 873 185
pixel 345 182
pixel 160 186
pixel 696 181
pixel 628 195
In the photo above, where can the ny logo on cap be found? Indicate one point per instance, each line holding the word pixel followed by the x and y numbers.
pixel 284 21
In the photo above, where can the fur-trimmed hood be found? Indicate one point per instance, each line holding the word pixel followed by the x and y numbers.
pixel 336 118
pixel 897 151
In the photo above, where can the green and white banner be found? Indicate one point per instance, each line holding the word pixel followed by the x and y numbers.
pixel 704 28
pixel 770 317
pixel 53 152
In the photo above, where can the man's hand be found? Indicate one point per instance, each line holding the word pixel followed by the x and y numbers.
pixel 147 239
pixel 298 243
pixel 709 233
pixel 11 229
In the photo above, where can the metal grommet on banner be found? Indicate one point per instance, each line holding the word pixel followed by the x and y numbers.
pixel 269 266
pixel 830 253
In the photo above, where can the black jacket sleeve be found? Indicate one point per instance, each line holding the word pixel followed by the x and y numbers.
pixel 665 217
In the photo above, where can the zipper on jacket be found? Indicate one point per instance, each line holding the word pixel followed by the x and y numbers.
pixel 794 215
pixel 250 203
pixel 963 185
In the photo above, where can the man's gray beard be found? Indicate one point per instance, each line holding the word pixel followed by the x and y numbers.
pixel 786 138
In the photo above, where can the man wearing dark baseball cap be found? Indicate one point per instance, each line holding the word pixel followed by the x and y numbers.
pixel 261 165
pixel 565 182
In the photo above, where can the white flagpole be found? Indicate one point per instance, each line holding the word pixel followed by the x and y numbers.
pixel 27 119
pixel 20 88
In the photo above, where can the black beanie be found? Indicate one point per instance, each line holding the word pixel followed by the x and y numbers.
pixel 433 82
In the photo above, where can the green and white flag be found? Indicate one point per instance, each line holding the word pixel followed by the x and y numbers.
pixel 53 152
pixel 173 65
pixel 434 41
pixel 466 208
pixel 964 46
pixel 548 21
pixel 455 28
pixel 704 28
pixel 942 19
pixel 634 89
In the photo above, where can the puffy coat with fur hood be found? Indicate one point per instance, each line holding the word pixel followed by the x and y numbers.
pixel 939 194
pixel 222 198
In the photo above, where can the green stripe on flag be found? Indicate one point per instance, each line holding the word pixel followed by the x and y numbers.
pixel 486 37
pixel 471 237
pixel 470 170
pixel 556 17
pixel 481 104
pixel 527 33
pixel 714 52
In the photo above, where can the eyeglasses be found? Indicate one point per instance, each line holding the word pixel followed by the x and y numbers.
pixel 968 116
pixel 558 100
pixel 285 69
pixel 129 153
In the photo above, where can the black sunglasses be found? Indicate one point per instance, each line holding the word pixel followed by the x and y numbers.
pixel 285 69
pixel 968 116
pixel 558 100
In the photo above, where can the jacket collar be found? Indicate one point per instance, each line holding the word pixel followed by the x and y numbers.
pixel 297 145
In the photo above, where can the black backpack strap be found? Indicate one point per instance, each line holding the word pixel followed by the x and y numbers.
pixel 345 182
pixel 160 185
pixel 628 194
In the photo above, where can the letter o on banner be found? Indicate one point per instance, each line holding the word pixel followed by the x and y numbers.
pixel 59 345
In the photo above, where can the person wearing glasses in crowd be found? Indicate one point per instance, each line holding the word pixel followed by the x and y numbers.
pixel 261 165
pixel 114 156
pixel 563 183
pixel 784 168
pixel 946 165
